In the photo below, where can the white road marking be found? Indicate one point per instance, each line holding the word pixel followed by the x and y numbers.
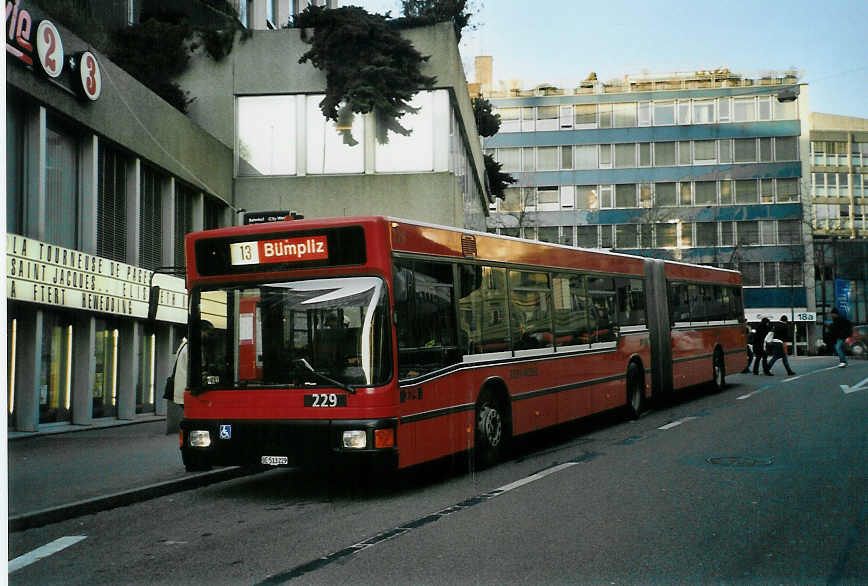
pixel 675 423
pixel 862 385
pixel 534 477
pixel 44 551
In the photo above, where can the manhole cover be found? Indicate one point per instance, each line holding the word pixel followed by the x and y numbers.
pixel 741 461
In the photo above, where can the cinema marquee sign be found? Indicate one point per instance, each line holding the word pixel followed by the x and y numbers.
pixel 36 42
pixel 38 272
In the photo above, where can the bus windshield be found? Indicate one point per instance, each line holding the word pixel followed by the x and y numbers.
pixel 321 332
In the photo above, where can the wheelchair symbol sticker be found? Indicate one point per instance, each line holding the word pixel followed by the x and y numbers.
pixel 225 432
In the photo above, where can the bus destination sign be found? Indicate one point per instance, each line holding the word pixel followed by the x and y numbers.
pixel 279 250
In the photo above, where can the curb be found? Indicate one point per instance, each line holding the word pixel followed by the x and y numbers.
pixel 120 499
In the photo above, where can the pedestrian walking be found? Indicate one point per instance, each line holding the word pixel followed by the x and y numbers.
pixel 750 355
pixel 759 351
pixel 841 330
pixel 780 339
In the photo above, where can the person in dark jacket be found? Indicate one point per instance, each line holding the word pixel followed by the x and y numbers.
pixel 841 330
pixel 759 350
pixel 779 345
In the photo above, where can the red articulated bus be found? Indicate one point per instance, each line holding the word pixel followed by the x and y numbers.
pixel 397 342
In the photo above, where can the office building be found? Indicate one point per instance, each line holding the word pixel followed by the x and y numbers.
pixel 703 167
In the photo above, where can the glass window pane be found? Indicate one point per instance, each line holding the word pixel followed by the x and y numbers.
pixel 769 278
pixel 61 188
pixel 725 192
pixel 601 293
pixel 786 148
pixel 725 150
pixel 586 156
pixel 723 109
pixel 266 135
pixel 528 159
pixel 510 159
pixel 625 115
pixel 788 189
pixel 744 110
pixel 765 108
pixel 586 116
pixel 703 151
pixel 789 232
pixel 706 233
pixel 750 274
pixel 644 154
pixel 664 154
pixel 626 235
pixel 706 192
pixel 745 191
pixel 605 115
pixel 625 195
pixel 703 111
pixel 667 235
pixel 785 110
pixel 606 238
pixel 548 234
pixel 684 195
pixel 684 155
pixel 748 233
pixel 765 149
pixel 605 196
pixel 547 158
pixel 625 155
pixel 605 155
pixel 530 310
pixel 586 236
pixel 566 157
pixel 683 111
pixel 644 113
pixel 330 150
pixel 768 232
pixel 586 197
pixel 664 194
pixel 686 235
pixel 664 113
pixel 570 310
pixel 745 150
pixel 767 190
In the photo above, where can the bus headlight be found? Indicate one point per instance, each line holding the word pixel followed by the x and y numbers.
pixel 355 439
pixel 200 438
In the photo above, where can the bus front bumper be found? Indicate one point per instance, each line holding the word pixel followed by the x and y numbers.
pixel 289 443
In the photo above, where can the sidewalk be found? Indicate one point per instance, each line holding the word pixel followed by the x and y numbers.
pixel 59 476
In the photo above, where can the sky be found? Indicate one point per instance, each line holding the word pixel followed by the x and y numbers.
pixel 559 42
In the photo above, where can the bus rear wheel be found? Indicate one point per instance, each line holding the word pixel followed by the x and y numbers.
pixel 635 391
pixel 491 431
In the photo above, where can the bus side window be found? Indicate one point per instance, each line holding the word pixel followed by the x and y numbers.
pixel 679 303
pixel 601 293
pixel 631 301
pixel 426 321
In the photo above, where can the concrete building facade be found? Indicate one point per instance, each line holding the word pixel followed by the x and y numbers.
pixel 704 167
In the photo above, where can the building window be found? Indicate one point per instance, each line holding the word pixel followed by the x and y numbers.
pixel 684 194
pixel 768 232
pixel 605 196
pixel 145 382
pixel 548 198
pixel 748 233
pixel 751 274
pixel 15 154
pixel 706 192
pixel 568 196
pixel 586 157
pixel 624 115
pixel 586 116
pixel 625 196
pixel 788 189
pixel 566 157
pixel 769 274
pixel 703 152
pixel 789 232
pixel 744 110
pixel 683 111
pixel 266 135
pixel 791 274
pixel 767 190
pixel 547 118
pixel 605 156
pixel 416 151
pixel 330 151
pixel 745 150
pixel 605 116
pixel 213 214
pixel 111 224
pixel 510 159
pixel 644 154
pixel 510 119
pixel 625 155
pixel 765 108
pixel 626 235
pixel 644 113
pixel 183 223
pixel 725 150
pixel 664 113
pixel 586 236
pixel 150 220
pixel 723 109
pixel 607 238
pixel 786 148
pixel 785 110
pixel 528 119
pixel 61 187
pixel 745 191
pixel 547 158
pixel 55 385
pixel 685 157
pixel 664 154
pixel 565 113
pixel 548 234
pixel 664 194
pixel 703 111
pixel 666 234
pixel 105 371
pixel 765 149
pixel 706 234
pixel 725 192
pixel 586 197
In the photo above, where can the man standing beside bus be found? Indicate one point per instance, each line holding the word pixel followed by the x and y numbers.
pixel 779 345
pixel 759 350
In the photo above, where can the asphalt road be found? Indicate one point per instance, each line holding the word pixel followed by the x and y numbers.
pixel 762 483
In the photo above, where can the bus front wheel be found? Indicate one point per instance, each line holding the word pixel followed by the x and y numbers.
pixel 718 380
pixel 491 430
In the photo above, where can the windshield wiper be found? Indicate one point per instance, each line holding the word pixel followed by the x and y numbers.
pixel 306 366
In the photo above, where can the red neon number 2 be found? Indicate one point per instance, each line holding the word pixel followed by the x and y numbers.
pixel 50 63
pixel 90 84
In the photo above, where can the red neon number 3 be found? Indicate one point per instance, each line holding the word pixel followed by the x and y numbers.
pixel 90 84
pixel 50 63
